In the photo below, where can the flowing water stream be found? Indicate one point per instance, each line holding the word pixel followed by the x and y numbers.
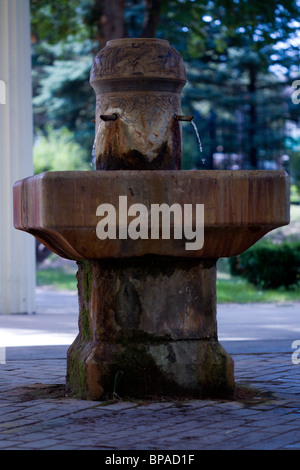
pixel 199 141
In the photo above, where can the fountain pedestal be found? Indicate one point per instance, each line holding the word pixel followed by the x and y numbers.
pixel 148 328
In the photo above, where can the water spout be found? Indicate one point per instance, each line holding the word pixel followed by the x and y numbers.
pixel 109 117
pixel 179 117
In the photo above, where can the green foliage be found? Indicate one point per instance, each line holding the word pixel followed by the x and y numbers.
pixel 238 72
pixel 269 265
pixel 295 193
pixel 55 20
pixel 237 289
pixel 295 170
pixel 57 151
pixel 63 96
pixel 219 24
pixel 57 279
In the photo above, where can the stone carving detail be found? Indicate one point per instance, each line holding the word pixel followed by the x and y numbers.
pixel 131 104
pixel 133 59
pixel 140 81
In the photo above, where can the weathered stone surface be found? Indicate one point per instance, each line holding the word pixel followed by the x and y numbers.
pixel 196 368
pixel 59 208
pixel 155 296
pixel 151 322
pixel 147 307
pixel 201 367
pixel 139 80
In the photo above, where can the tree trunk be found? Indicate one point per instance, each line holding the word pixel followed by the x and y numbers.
pixel 212 135
pixel 253 119
pixel 111 24
pixel 111 20
pixel 152 16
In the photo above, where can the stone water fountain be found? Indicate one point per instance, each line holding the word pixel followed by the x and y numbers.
pixel 147 306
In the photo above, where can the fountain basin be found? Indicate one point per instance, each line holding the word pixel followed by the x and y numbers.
pixel 59 208
pixel 147 307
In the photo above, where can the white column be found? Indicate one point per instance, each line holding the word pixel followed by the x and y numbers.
pixel 17 249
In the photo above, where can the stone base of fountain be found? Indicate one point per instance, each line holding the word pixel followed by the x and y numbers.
pixel 147 307
pixel 147 327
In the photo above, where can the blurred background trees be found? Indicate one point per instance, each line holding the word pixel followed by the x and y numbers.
pixel 241 56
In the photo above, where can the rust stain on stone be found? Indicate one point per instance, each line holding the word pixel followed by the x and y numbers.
pixel 116 153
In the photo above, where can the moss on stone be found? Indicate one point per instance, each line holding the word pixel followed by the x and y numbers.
pixel 76 374
pixel 217 380
pixel 86 278
pixel 85 330
pixel 130 343
pixel 133 373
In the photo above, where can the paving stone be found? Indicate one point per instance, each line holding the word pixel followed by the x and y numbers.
pixel 42 422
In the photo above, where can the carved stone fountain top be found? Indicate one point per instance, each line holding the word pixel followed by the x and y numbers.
pixel 138 84
pixel 137 58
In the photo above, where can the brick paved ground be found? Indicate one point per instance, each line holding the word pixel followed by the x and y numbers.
pixel 34 416
pixel 35 413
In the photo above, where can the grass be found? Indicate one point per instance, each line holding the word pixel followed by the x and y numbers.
pixel 234 289
pixel 57 279
pixel 295 194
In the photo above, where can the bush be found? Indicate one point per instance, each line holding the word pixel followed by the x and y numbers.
pixel 57 150
pixel 269 265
